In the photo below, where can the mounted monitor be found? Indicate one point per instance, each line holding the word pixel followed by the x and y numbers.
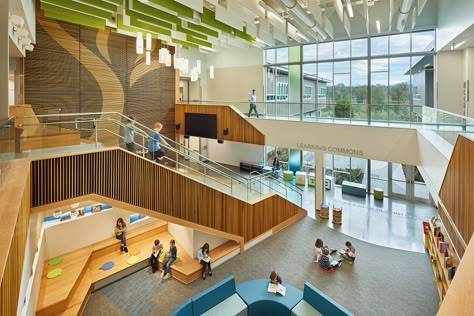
pixel 200 125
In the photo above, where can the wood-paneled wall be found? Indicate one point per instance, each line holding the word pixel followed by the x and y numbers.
pixel 80 69
pixel 15 201
pixel 457 194
pixel 240 130
pixel 118 175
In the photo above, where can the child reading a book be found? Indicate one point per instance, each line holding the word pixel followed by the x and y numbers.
pixel 348 253
pixel 205 260
pixel 275 284
pixel 327 262
pixel 155 254
pixel 275 278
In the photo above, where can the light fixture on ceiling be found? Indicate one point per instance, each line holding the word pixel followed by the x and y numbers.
pixel 459 44
pixel 377 24
pixel 270 12
pixel 198 66
pixel 349 8
pixel 404 10
pixel 211 72
pixel 139 43
pixel 194 74
pixel 147 58
pixel 148 41
pixel 308 19
pixel 301 36
pixel 453 46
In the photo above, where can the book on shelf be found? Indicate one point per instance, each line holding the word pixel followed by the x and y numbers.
pixel 448 261
pixel 277 289
pixel 451 272
pixel 442 246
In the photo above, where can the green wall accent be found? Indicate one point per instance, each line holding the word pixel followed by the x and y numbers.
pixel 149 19
pixel 132 29
pixel 294 79
pixel 203 29
pixel 185 43
pixel 189 32
pixel 102 4
pixel 175 6
pixel 82 8
pixel 117 2
pixel 145 9
pixel 209 17
pixel 75 20
pixel 135 22
pixel 244 35
pixel 191 39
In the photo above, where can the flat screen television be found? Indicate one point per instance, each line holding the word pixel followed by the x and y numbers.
pixel 200 125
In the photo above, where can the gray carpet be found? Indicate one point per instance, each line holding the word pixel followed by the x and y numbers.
pixel 382 281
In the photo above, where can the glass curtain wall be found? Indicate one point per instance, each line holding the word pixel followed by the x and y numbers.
pixel 376 78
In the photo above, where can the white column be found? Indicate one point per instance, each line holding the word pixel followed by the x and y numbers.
pixel 4 43
pixel 319 180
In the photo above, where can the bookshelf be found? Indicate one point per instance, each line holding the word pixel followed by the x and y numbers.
pixel 441 277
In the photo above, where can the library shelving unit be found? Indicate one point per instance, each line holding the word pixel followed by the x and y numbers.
pixel 441 277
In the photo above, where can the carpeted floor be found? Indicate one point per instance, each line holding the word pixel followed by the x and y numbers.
pixel 382 281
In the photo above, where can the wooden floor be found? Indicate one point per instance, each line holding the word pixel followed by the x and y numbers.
pixel 67 294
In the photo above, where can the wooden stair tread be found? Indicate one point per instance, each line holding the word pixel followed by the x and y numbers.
pixel 190 265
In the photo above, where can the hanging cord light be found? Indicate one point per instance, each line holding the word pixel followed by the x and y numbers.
pixel 139 43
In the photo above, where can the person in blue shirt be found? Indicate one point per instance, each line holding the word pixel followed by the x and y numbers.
pixel 170 258
pixel 205 260
pixel 154 140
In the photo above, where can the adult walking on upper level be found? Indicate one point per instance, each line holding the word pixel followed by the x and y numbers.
pixel 253 101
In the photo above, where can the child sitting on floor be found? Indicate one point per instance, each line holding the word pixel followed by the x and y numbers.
pixel 348 254
pixel 327 262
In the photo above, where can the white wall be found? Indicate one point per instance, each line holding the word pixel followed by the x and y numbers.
pixel 449 77
pixel 469 75
pixel 183 235
pixel 200 238
pixel 454 16
pixel 433 164
pixel 232 153
pixel 80 232
pixel 369 142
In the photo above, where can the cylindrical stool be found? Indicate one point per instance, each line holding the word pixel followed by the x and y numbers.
pixel 337 215
pixel 324 213
pixel 378 194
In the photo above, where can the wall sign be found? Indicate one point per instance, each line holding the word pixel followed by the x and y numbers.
pixel 331 149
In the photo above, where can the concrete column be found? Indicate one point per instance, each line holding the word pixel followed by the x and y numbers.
pixel 319 179
pixel 4 56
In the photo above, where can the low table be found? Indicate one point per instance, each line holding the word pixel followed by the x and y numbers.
pixel 261 302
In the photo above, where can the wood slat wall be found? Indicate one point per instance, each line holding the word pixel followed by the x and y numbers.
pixel 457 194
pixel 15 201
pixel 240 130
pixel 147 185
pixel 80 69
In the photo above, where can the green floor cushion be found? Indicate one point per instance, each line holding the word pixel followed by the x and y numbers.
pixel 54 273
pixel 55 261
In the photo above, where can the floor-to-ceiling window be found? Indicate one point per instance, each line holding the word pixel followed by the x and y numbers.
pixel 377 78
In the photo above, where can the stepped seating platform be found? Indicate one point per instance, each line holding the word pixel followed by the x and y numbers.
pixel 68 293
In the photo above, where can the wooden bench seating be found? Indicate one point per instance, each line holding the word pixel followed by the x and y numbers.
pixel 67 294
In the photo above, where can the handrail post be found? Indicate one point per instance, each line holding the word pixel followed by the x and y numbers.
pixel 143 146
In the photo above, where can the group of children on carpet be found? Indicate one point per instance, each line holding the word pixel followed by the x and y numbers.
pixel 322 255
